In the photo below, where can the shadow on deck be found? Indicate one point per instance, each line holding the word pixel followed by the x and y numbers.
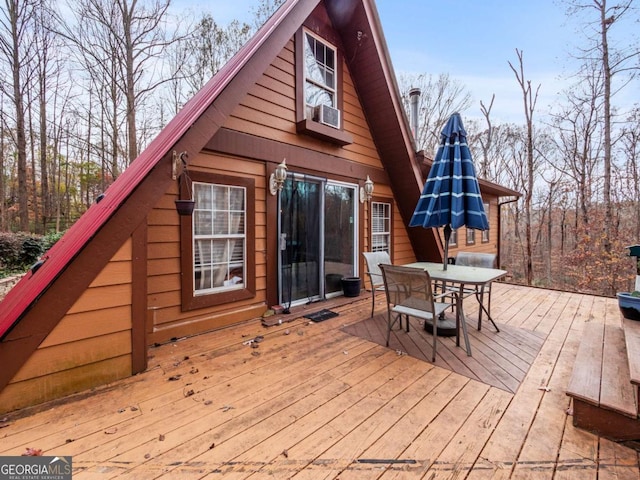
pixel 498 359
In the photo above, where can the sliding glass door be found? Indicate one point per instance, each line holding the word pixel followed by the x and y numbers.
pixel 317 236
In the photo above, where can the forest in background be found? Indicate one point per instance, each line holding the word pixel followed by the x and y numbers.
pixel 87 84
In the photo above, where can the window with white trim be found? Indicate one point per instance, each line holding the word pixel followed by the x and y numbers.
pixel 485 233
pixel 453 238
pixel 219 238
pixel 471 236
pixel 319 73
pixel 381 227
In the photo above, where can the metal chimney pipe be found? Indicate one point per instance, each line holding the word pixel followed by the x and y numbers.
pixel 414 100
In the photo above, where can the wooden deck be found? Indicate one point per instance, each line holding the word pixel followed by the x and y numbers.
pixel 315 402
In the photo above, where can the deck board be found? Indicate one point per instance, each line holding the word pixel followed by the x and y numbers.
pixel 315 402
pixel 618 462
pixel 632 339
pixel 616 390
pixel 585 383
pixel 578 455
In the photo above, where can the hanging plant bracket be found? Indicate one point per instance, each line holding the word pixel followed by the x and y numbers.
pixel 179 164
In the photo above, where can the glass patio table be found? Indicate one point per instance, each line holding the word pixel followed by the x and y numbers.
pixel 461 276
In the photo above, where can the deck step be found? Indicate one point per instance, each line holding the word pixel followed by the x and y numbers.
pixel 632 340
pixel 604 399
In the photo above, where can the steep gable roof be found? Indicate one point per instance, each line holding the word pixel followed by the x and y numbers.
pixel 25 323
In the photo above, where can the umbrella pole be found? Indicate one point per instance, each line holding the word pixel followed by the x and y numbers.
pixel 447 236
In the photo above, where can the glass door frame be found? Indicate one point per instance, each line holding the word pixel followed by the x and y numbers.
pixel 321 268
pixel 356 231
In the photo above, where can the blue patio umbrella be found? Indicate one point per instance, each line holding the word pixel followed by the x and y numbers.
pixel 451 196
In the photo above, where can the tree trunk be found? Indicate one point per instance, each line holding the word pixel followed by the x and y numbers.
pixel 44 170
pixel 529 103
pixel 3 213
pixel 130 84
pixel 18 101
pixel 33 194
pixel 606 69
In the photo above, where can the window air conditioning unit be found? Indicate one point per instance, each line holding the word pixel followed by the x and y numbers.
pixel 327 115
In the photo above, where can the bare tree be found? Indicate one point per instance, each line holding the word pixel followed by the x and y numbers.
pixel 529 99
pixel 263 11
pixel 486 140
pixel 612 63
pixel 631 148
pixel 47 71
pixel 208 48
pixel 120 44
pixel 58 131
pixel 3 192
pixel 16 48
pixel 547 193
pixel 440 97
pixel 490 144
pixel 511 163
pixel 175 91
pixel 578 139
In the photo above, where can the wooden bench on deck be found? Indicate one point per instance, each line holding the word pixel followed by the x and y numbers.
pixel 605 379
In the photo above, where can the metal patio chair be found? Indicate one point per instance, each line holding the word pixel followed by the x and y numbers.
pixel 409 294
pixel 482 260
pixel 373 261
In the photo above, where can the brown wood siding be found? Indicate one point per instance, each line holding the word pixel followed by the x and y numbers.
pixel 402 248
pixel 260 131
pixel 59 384
pixel 83 350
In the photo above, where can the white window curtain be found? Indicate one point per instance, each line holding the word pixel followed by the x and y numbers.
pixel 218 237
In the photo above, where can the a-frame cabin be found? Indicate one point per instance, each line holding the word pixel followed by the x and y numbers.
pixel 314 86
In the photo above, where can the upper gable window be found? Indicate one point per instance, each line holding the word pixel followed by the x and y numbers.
pixel 319 71
pixel 320 74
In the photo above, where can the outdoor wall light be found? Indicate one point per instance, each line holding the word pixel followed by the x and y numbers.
pixel 276 181
pixel 366 192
